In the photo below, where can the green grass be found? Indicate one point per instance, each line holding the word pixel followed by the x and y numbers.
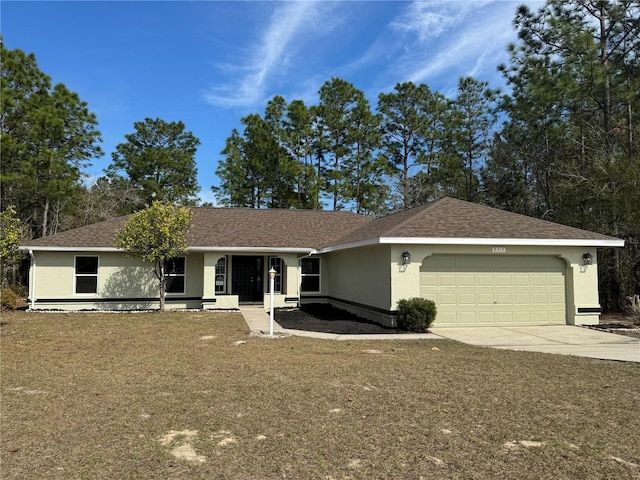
pixel 126 396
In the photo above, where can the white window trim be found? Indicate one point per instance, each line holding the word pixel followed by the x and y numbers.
pixel 76 275
pixel 184 275
pixel 319 275
pixel 278 275
pixel 215 276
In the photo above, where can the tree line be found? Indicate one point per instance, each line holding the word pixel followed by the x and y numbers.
pixel 561 143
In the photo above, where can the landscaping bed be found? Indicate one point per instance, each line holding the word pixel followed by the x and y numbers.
pixel 322 317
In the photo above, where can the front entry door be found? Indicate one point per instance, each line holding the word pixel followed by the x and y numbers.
pixel 247 278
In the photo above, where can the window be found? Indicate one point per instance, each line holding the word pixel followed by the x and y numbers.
pixel 174 270
pixel 86 273
pixel 221 276
pixel 276 264
pixel 310 272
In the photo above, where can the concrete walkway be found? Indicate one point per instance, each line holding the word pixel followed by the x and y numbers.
pixel 563 339
pixel 258 320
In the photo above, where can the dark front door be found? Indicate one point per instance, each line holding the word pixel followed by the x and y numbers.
pixel 246 277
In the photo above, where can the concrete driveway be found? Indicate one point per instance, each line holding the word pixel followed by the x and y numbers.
pixel 563 339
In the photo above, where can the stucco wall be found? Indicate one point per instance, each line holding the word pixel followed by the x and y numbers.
pixel 581 281
pixel 359 275
pixel 119 277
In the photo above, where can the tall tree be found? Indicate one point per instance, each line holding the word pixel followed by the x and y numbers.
pixel 157 235
pixel 299 141
pixel 348 138
pixel 574 121
pixel 48 137
pixel 474 116
pixel 158 159
pixel 412 127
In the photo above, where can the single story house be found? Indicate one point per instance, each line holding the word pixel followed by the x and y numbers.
pixel 482 266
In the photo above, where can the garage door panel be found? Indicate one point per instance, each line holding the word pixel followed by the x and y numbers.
pixel 448 299
pixel 467 299
pixel 522 299
pixel 503 280
pixel 495 289
pixel 485 298
pixel 447 280
pixel 466 280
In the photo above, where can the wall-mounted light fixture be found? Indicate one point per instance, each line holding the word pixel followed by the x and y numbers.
pixel 587 259
pixel 406 258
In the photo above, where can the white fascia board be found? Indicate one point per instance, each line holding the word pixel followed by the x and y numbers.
pixel 70 249
pixel 253 249
pixel 503 241
pixel 306 251
pixel 528 242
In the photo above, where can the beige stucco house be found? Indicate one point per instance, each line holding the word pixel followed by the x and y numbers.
pixel 482 266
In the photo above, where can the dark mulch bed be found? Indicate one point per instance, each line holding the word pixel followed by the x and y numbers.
pixel 321 317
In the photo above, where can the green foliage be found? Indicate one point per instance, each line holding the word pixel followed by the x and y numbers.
pixel 8 299
pixel 48 136
pixel 416 314
pixel 572 142
pixel 156 234
pixel 10 233
pixel 158 160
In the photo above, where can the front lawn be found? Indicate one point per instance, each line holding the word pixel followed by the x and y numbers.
pixel 189 395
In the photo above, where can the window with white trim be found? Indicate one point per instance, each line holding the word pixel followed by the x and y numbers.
pixel 175 274
pixel 310 273
pixel 221 276
pixel 86 274
pixel 276 264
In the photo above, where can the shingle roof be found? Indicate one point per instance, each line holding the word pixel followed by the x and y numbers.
pixel 230 227
pixel 452 218
pixel 446 218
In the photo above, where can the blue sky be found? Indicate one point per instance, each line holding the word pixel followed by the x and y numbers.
pixel 210 63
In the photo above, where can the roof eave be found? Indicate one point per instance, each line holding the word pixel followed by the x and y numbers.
pixel 524 242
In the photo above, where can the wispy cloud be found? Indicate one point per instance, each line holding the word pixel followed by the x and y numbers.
pixel 290 24
pixel 442 40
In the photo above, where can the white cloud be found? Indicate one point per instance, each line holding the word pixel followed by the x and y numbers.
pixel 447 40
pixel 288 28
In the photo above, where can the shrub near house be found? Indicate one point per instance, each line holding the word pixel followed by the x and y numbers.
pixel 416 314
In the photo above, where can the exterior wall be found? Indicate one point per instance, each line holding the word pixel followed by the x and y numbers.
pixel 123 283
pixel 368 281
pixel 581 287
pixel 358 280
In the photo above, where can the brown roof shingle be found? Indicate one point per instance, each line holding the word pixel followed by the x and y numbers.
pixel 229 227
pixel 317 229
pixel 452 218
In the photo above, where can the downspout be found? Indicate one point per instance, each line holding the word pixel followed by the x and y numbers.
pixel 32 284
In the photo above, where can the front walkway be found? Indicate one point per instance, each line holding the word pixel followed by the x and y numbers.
pixel 258 320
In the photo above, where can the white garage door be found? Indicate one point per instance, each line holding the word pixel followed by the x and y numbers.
pixel 494 289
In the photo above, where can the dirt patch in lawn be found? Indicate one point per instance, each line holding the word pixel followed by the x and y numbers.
pixel 322 317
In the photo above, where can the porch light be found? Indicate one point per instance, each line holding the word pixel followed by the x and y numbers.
pixel 272 277
pixel 406 258
pixel 587 259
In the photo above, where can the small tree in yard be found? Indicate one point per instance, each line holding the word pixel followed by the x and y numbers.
pixel 416 314
pixel 10 232
pixel 156 234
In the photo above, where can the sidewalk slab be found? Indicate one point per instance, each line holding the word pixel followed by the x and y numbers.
pixel 561 339
pixel 258 320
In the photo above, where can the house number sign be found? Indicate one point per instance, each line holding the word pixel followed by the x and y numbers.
pixel 499 249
